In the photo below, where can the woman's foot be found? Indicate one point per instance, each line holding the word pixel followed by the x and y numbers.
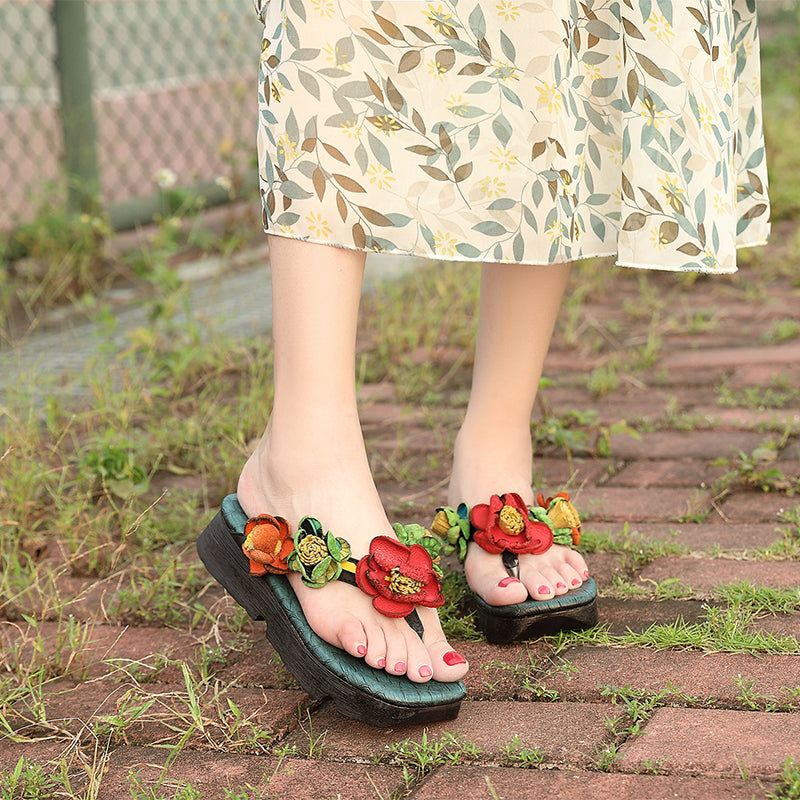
pixel 480 471
pixel 332 482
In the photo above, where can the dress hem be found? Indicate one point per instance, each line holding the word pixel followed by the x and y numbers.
pixel 437 257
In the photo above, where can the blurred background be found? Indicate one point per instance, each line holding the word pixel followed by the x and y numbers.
pixel 116 114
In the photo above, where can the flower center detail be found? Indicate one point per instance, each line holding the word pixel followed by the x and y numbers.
pixel 402 584
pixel 511 521
pixel 311 550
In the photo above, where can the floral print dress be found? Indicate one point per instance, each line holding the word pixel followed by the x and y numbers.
pixel 510 131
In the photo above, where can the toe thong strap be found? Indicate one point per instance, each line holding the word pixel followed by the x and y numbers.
pixel 395 575
pixel 506 525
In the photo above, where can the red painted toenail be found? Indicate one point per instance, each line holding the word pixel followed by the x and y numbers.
pixel 544 590
pixel 400 666
pixel 560 585
pixel 361 650
pixel 507 580
pixel 381 662
pixel 451 658
pixel 425 671
pixel 586 573
pixel 575 581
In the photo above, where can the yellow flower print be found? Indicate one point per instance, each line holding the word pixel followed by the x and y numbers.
pixel 504 70
pixel 287 146
pixel 317 224
pixel 492 187
pixel 333 58
pixel 325 8
pixel 649 116
pixel 721 205
pixel 456 104
pixel 380 176
pixel 503 157
pixel 444 243
pixel 706 117
pixel 436 69
pixel 615 153
pixel 555 231
pixel 661 27
pixel 507 10
pixel 386 124
pixel 550 96
pixel 655 238
pixel 439 17
pixel 351 129
pixel 287 228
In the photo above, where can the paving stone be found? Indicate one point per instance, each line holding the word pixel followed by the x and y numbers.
pixel 504 783
pixel 604 567
pixel 500 672
pixel 259 666
pixel 779 625
pixel 673 472
pixel 718 678
pixel 684 444
pixel 757 506
pixel 746 418
pixel 615 502
pixel 696 536
pixel 734 356
pixel 213 773
pixel 490 725
pixel 764 375
pixel 688 376
pixel 714 742
pixel 637 615
pixel 559 474
pixel 105 650
pixel 37 752
pixel 703 575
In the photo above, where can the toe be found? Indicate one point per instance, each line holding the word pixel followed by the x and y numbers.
pixel 352 636
pixel 577 562
pixel 536 583
pixel 487 577
pixel 376 646
pixel 556 580
pixel 447 663
pixel 570 576
pixel 396 650
pixel 418 666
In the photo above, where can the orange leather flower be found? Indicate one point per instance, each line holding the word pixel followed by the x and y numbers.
pixel 267 544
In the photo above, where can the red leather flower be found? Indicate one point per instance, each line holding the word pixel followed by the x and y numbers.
pixel 504 524
pixel 267 543
pixel 398 577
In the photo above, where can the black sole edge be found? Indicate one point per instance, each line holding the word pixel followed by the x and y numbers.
pixel 503 630
pixel 223 558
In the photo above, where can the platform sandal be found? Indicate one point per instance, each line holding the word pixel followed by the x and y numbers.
pixel 506 526
pixel 251 557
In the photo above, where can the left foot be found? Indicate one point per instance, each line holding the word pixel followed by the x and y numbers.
pixel 475 478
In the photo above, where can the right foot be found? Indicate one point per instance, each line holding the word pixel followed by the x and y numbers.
pixel 340 492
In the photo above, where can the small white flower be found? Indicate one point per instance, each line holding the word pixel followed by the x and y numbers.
pixel 165 178
pixel 224 182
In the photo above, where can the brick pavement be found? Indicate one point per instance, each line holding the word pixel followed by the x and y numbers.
pixel 710 715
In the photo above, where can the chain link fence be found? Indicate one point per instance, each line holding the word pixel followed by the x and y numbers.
pixel 127 94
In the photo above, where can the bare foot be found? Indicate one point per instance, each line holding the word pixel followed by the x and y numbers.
pixel 474 480
pixel 334 484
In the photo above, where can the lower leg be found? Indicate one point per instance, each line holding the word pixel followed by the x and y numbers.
pixel 493 451
pixel 312 460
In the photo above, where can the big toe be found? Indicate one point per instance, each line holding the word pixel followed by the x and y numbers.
pixel 488 578
pixel 447 663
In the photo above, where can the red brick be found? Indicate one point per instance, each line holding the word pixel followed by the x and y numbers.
pixel 637 615
pixel 490 725
pixel 107 650
pixel 684 444
pixel 779 625
pixel 491 783
pixel 714 742
pixel 558 474
pixel 734 356
pixel 38 752
pixel 211 773
pixel 713 677
pixel 259 666
pixel 612 502
pixel 764 375
pixel 695 535
pixel 757 506
pixel 749 418
pixel 703 575
pixel 500 672
pixel 686 472
pixel 688 376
